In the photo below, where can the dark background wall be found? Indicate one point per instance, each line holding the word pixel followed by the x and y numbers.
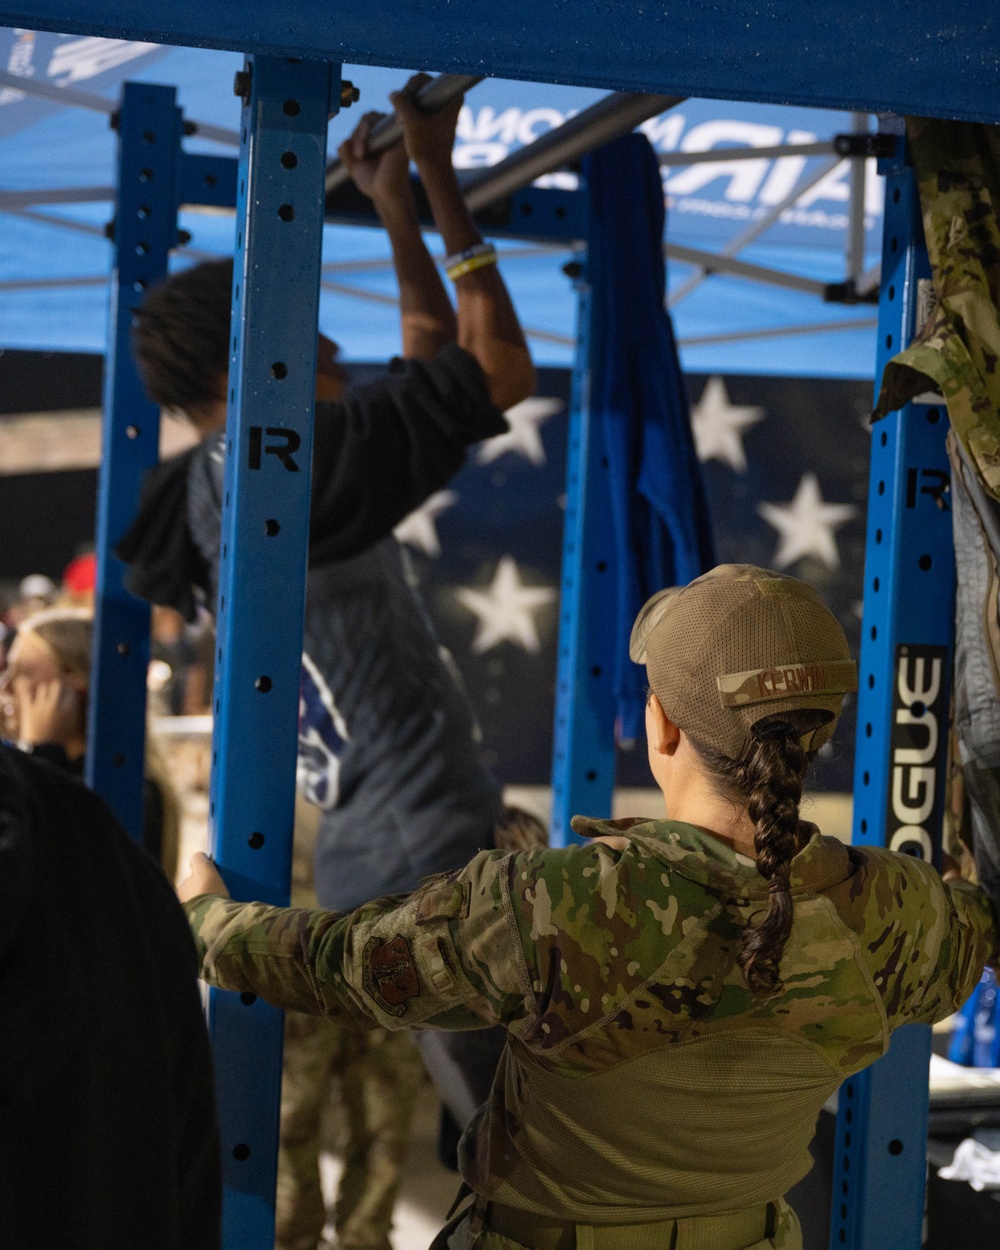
pixel 46 518
pixel 42 381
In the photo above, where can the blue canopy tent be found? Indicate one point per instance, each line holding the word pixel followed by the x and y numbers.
pixel 53 275
pixel 846 56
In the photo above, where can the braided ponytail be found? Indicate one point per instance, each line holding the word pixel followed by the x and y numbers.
pixel 768 779
pixel 772 774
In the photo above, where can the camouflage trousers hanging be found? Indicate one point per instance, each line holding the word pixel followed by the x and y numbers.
pixel 380 1076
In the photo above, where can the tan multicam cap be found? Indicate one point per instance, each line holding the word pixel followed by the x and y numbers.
pixel 739 644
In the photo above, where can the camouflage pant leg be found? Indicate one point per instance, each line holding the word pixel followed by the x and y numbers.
pixel 312 1047
pixel 381 1074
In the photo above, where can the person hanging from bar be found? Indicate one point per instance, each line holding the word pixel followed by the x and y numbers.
pixel 681 996
pixel 387 747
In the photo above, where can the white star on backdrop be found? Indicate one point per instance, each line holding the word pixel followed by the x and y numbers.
pixel 419 529
pixel 505 609
pixel 523 437
pixel 718 426
pixel 806 525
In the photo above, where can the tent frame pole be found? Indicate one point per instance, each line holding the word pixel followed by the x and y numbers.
pixel 718 262
pixel 752 233
pixel 47 90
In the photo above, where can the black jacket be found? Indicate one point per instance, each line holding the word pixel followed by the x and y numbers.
pixel 108 1136
pixel 152 796
pixel 377 454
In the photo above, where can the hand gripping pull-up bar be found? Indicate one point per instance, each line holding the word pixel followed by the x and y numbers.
pixel 431 98
pixel 616 114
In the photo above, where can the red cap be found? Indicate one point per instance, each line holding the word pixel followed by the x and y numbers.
pixel 80 575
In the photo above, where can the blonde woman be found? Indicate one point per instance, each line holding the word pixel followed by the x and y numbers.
pixel 45 689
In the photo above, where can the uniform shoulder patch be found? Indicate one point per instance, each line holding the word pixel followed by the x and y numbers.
pixel 390 973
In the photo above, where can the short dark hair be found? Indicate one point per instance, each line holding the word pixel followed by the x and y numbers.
pixel 180 336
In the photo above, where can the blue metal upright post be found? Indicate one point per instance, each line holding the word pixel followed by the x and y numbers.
pixel 265 530
pixel 583 760
pixel 902 734
pixel 145 229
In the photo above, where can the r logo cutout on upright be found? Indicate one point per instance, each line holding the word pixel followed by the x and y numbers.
pixel 290 442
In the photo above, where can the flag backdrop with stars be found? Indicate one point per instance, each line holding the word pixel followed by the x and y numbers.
pixel 786 468
pixel 785 462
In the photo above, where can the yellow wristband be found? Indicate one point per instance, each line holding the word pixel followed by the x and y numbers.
pixel 471 265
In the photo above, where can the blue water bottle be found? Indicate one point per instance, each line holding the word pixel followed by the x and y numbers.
pixel 985 1048
pixel 962 1048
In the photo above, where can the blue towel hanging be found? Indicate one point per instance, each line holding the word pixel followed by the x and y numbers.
pixel 662 532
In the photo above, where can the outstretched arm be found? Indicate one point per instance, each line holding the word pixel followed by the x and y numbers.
pixel 440 958
pixel 427 317
pixel 409 431
pixel 488 327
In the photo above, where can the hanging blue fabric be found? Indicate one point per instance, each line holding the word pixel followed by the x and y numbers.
pixel 660 512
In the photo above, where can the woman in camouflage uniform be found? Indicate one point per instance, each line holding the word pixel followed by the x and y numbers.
pixel 681 996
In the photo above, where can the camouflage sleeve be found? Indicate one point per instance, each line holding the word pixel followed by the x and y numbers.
pixel 956 164
pixel 593 922
pixel 439 958
pixel 951 935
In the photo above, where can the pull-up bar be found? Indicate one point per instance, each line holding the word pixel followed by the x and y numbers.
pixel 616 114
